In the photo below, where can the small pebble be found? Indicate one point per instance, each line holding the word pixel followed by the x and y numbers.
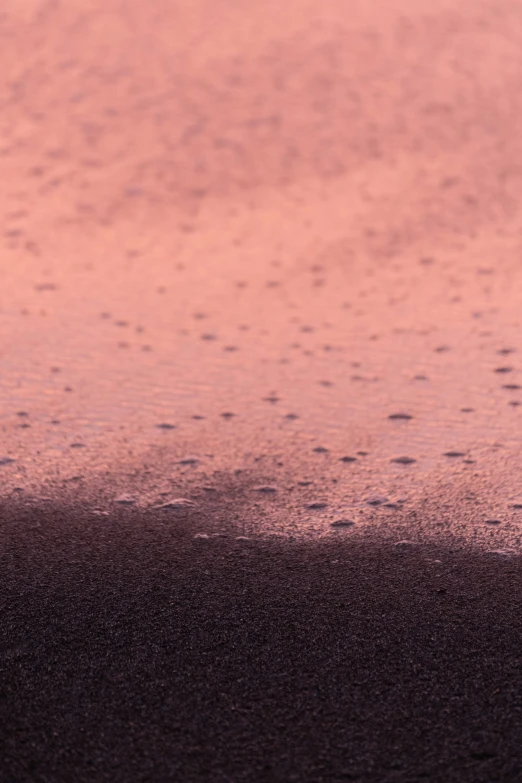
pixel 376 500
pixel 342 523
pixel 317 506
pixel 176 504
pixel 404 460
pixel 404 546
pixel 125 500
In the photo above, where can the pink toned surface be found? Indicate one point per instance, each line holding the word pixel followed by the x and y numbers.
pixel 265 209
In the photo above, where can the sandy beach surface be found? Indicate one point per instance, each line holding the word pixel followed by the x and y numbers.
pixel 260 391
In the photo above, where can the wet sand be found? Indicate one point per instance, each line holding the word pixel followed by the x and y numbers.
pixel 260 323
pixel 132 651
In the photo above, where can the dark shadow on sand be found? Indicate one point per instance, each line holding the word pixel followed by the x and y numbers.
pixel 131 651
